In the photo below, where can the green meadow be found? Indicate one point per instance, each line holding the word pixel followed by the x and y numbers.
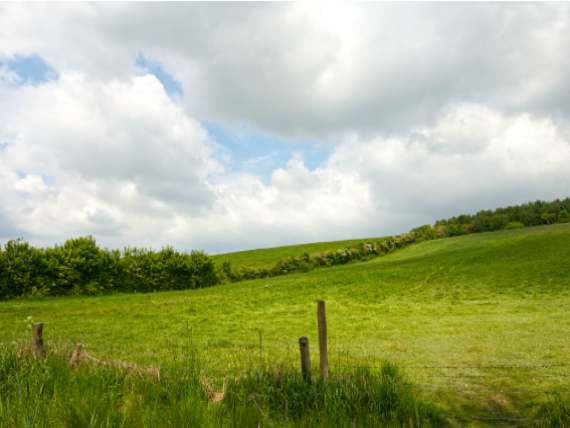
pixel 478 323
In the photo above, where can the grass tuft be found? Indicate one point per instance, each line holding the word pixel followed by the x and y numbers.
pixel 555 412
pixel 363 398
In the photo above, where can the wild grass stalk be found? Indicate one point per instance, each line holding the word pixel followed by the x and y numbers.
pixel 48 393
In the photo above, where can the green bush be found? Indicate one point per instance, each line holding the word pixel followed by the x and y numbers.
pixel 424 233
pixel 79 266
pixel 530 214
pixel 21 269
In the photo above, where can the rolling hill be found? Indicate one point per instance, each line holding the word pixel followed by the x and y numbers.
pixel 267 257
pixel 470 318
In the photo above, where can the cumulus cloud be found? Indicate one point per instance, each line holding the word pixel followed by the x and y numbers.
pixel 383 185
pixel 430 110
pixel 115 151
pixel 317 69
pixel 472 158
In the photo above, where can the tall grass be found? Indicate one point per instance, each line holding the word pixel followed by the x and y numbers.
pixel 555 412
pixel 362 398
pixel 47 393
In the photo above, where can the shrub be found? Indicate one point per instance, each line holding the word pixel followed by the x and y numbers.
pixel 424 233
pixel 21 268
pixel 514 225
pixel 79 266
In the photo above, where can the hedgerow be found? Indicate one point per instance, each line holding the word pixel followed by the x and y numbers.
pixel 79 266
pixel 531 214
pixel 306 262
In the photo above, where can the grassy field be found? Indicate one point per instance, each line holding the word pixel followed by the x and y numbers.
pixel 267 257
pixel 479 322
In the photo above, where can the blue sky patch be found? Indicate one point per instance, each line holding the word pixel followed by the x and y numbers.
pixel 172 86
pixel 261 154
pixel 48 179
pixel 29 69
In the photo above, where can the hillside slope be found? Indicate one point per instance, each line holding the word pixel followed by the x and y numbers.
pixel 267 257
pixel 440 309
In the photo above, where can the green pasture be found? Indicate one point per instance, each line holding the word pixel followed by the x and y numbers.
pixel 480 322
pixel 267 257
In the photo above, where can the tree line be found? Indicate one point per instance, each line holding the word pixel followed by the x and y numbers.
pixel 79 266
pixel 530 214
pixel 513 217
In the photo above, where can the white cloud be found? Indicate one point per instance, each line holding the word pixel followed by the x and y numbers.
pixel 316 69
pixel 126 164
pixel 116 151
pixel 378 186
pixel 8 76
pixel 472 158
pixel 433 110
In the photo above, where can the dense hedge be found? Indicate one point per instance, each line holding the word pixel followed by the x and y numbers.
pixel 79 266
pixel 530 214
pixel 306 262
pixel 526 215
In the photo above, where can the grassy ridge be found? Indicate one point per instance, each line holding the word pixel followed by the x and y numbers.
pixel 487 299
pixel 267 257
pixel 512 217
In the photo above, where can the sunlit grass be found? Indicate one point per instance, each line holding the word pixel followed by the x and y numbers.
pixel 488 299
pixel 48 393
pixel 267 257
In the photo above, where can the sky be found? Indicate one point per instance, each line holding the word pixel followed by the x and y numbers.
pixel 243 125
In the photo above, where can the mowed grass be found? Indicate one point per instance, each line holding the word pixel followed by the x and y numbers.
pixel 469 319
pixel 267 257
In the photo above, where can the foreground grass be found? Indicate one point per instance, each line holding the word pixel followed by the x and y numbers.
pixel 48 393
pixel 459 305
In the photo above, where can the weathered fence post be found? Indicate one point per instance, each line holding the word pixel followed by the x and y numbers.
pixel 38 339
pixel 323 352
pixel 305 358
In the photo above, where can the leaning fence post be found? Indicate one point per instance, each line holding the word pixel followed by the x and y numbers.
pixel 305 358
pixel 38 339
pixel 323 352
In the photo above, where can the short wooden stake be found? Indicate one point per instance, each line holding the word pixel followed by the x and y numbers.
pixel 305 358
pixel 38 339
pixel 323 352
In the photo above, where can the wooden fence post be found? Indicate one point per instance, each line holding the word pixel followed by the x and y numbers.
pixel 323 352
pixel 38 339
pixel 305 358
